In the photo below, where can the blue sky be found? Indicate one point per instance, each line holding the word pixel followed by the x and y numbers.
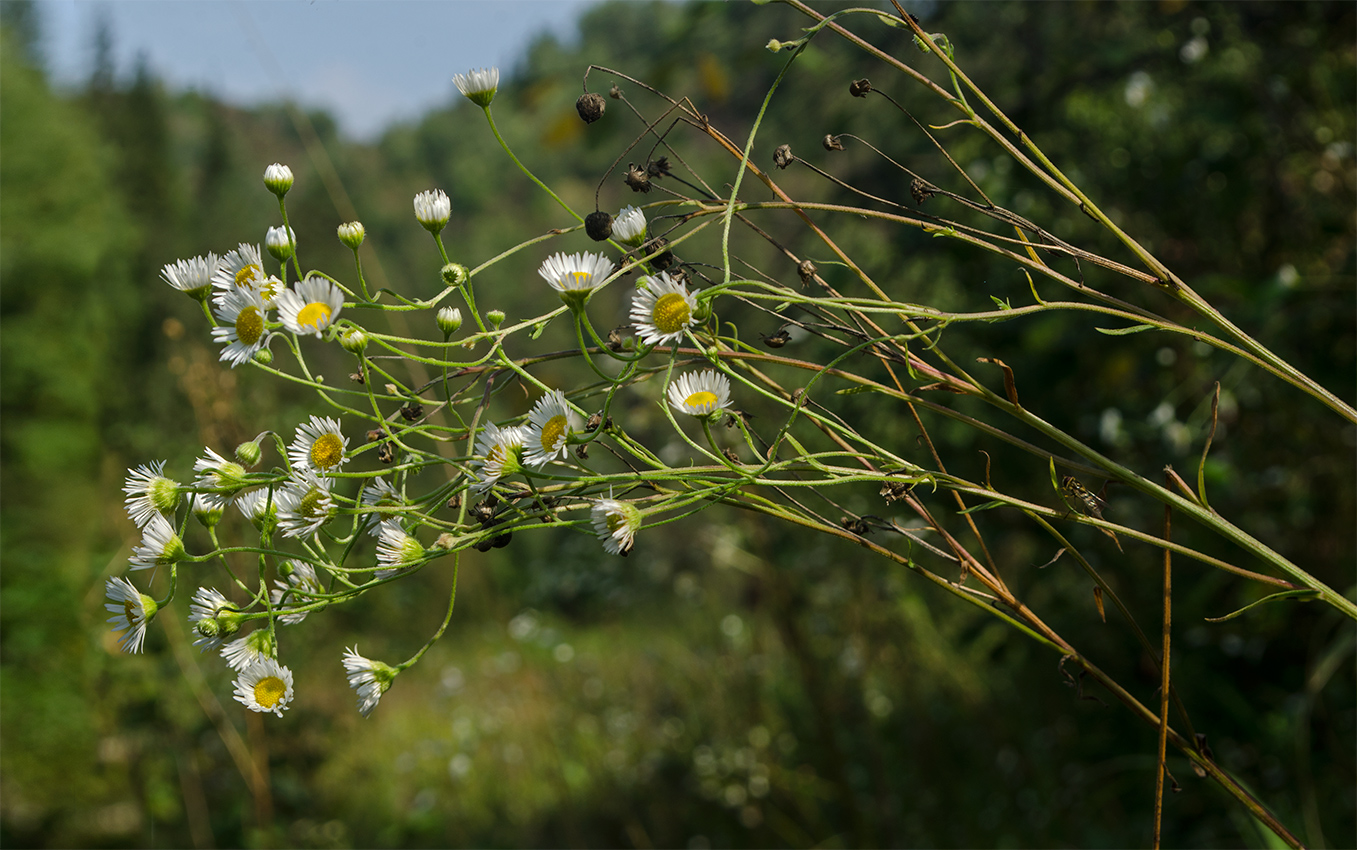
pixel 369 63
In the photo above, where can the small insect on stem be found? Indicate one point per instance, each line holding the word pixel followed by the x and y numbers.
pixel 1093 504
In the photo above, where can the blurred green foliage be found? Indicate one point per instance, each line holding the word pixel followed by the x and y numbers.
pixel 733 683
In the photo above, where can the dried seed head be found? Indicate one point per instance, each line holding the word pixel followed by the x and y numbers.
pixel 831 142
pixel 783 157
pixel 731 455
pixel 593 422
pixel 778 339
pixel 637 179
pixel 386 453
pixel 599 225
pixel 582 451
pixel 806 270
pixel 920 190
pixel 412 411
pixel 455 502
pixel 615 93
pixel 658 167
pixel 859 88
pixel 857 526
pixel 614 340
pixel 893 491
pixel 591 106
pixel 374 435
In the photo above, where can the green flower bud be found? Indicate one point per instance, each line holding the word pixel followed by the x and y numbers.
pixel 353 340
pixel 351 234
pixel 263 357
pixel 278 179
pixel 449 319
pixel 455 274
pixel 495 317
pixel 248 454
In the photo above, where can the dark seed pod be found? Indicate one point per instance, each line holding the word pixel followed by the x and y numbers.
pixel 591 106
pixel 783 157
pixel 859 88
pixel 857 526
pixel 599 225
pixel 412 411
pixel 503 540
pixel 483 512
pixel 731 455
pixel 386 453
pixel 778 339
pixel 374 435
pixel 831 143
pixel 614 340
pixel 658 167
pixel 637 179
pixel 662 260
pixel 920 190
pixel 806 270
pixel 455 502
pixel 582 451
pixel 593 422
pixel 357 378
pixel 483 545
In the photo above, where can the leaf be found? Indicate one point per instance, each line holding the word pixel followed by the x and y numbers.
pixel 1302 593
pixel 983 507
pixel 1133 329
pixel 538 328
pixel 1002 305
pixel 1098 601
pixel 855 390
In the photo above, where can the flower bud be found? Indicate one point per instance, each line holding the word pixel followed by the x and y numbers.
pixel 599 225
pixel 449 320
pixel 278 179
pixel 455 274
pixel 353 340
pixel 478 86
pixel 248 454
pixel 263 357
pixel 433 209
pixel 351 234
pixel 630 226
pixel 591 106
pixel 281 242
pixel 496 318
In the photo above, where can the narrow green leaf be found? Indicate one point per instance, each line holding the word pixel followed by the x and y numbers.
pixel 984 507
pixel 1002 305
pixel 1133 329
pixel 1302 593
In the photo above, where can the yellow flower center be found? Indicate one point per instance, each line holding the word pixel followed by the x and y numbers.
pixel 249 325
pixel 616 521
pixel 311 504
pixel 700 399
pixel 581 279
pixel 314 315
pixel 269 690
pixel 553 432
pixel 246 277
pixel 671 313
pixel 130 608
pixel 327 451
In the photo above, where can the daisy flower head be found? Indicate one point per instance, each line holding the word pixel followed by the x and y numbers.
pixel 149 492
pixel 281 242
pixel 212 618
pixel 311 307
pixel 298 587
pixel 550 425
pixel 218 476
pixel 616 524
pixel 630 226
pixel 478 86
pixel 396 550
pixel 662 309
pixel 208 508
pixel 243 314
pixel 260 507
pixel 160 545
pixel 369 678
pixel 449 320
pixel 244 269
pixel 242 652
pixel 700 393
pixel 499 449
pixel 433 209
pixel 304 505
pixel 377 495
pixel 351 234
pixel 319 446
pixel 192 277
pixel 265 686
pixel 131 610
pixel 278 179
pixel 575 276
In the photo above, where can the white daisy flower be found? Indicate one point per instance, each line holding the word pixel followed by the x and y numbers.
pixel 218 476
pixel 243 268
pixel 499 449
pixel 616 524
pixel 212 618
pixel 160 545
pixel 304 505
pixel 550 424
pixel 132 610
pixel 369 678
pixel 376 495
pixel 149 492
pixel 630 226
pixel 396 550
pixel 575 276
pixel 700 393
pixel 299 588
pixel 192 277
pixel 260 507
pixel 242 652
pixel 478 86
pixel 265 685
pixel 311 307
pixel 243 313
pixel 433 209
pixel 662 309
pixel 318 447
pixel 208 508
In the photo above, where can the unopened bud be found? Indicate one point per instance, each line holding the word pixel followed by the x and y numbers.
pixel 351 234
pixel 449 319
pixel 248 454
pixel 433 209
pixel 281 242
pixel 591 106
pixel 278 179
pixel 495 318
pixel 455 274
pixel 263 357
pixel 353 340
